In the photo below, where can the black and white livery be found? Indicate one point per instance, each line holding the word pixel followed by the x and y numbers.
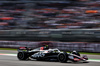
pixel 43 53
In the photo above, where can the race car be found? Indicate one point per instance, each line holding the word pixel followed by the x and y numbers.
pixel 43 53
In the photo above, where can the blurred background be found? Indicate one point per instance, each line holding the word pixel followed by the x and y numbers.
pixel 63 23
pixel 48 14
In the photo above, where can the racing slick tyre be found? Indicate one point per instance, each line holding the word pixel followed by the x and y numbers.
pixel 22 56
pixel 63 57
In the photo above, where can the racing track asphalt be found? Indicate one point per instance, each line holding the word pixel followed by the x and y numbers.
pixel 13 61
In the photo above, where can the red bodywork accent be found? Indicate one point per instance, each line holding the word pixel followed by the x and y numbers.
pixel 22 48
pixel 41 48
pixel 76 59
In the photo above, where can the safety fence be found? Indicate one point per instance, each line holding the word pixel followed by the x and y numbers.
pixel 65 46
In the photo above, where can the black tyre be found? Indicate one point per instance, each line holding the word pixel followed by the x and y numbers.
pixel 22 56
pixel 63 57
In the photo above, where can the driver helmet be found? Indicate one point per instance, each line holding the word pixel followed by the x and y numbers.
pixel 46 47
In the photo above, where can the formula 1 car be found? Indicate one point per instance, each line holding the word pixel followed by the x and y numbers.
pixel 41 53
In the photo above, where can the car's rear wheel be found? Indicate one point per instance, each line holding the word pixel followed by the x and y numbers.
pixel 22 56
pixel 63 57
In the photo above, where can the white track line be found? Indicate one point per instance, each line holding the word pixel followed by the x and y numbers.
pixel 8 54
pixel 94 60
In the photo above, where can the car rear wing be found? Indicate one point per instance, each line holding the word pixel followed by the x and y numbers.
pixel 24 49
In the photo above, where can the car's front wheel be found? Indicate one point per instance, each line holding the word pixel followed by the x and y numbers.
pixel 62 57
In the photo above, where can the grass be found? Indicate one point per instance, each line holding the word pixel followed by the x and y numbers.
pixel 7 49
pixel 89 53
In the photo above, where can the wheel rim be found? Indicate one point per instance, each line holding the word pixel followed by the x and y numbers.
pixel 20 56
pixel 61 57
